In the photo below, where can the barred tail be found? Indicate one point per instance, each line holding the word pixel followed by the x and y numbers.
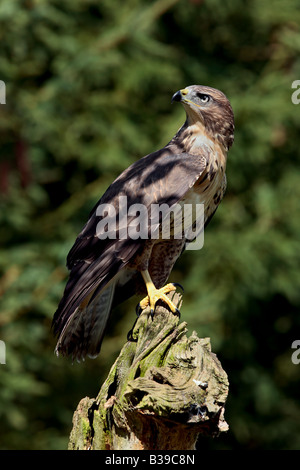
pixel 83 333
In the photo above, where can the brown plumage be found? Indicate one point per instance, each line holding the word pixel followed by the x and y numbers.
pixel 190 169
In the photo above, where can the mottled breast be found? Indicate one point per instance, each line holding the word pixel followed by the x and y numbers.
pixel 210 188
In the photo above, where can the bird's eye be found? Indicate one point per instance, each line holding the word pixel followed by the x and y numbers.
pixel 203 98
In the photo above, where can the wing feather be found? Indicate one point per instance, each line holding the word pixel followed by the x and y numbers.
pixel 162 177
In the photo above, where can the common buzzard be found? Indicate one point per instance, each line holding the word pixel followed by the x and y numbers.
pixel 107 267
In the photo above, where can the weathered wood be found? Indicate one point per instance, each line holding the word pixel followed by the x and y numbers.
pixel 164 391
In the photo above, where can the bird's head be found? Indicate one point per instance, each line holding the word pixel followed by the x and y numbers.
pixel 211 108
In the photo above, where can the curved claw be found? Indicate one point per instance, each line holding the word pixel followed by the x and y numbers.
pixel 176 284
pixel 155 294
pixel 138 309
pixel 177 311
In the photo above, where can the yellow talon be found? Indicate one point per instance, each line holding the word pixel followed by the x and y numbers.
pixel 156 294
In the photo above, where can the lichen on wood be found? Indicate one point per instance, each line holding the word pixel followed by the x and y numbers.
pixel 164 391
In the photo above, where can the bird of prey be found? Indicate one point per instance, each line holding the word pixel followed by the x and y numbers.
pixel 104 271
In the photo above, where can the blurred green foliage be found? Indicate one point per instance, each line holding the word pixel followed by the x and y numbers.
pixel 88 89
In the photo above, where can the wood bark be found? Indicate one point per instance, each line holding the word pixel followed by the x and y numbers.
pixel 164 392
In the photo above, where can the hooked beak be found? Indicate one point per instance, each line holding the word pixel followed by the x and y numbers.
pixel 178 96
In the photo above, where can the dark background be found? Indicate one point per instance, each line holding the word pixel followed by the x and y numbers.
pixel 88 91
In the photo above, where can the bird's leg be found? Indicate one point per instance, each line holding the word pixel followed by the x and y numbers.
pixel 156 294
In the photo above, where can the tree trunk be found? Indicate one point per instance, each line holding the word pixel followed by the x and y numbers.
pixel 164 391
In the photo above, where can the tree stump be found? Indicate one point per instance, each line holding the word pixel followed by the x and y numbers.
pixel 164 391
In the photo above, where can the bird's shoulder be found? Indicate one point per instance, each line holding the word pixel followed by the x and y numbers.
pixel 161 177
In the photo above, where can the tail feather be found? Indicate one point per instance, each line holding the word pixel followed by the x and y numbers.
pixel 83 333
